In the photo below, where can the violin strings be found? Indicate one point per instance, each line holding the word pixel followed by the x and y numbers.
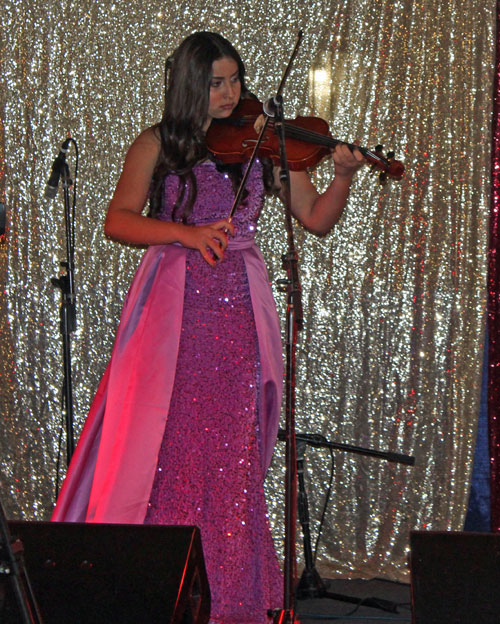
pixel 320 139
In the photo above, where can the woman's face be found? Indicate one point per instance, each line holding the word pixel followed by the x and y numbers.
pixel 225 89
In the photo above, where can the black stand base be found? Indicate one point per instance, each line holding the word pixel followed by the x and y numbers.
pixel 311 585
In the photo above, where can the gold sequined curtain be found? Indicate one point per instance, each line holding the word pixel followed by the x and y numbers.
pixel 390 356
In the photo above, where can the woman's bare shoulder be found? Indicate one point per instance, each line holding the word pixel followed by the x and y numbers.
pixel 148 138
pixel 145 148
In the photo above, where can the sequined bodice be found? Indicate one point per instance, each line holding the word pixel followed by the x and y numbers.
pixel 215 198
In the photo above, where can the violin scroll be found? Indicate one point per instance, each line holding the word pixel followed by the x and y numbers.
pixel 386 163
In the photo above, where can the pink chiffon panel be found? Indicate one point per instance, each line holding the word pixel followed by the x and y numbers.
pixel 110 476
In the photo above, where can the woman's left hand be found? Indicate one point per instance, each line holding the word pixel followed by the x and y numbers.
pixel 347 162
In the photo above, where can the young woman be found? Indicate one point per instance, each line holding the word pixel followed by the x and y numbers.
pixel 184 422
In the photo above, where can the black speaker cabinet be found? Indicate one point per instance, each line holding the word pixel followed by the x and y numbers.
pixel 107 573
pixel 455 577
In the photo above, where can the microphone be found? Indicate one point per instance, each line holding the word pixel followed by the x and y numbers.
pixel 55 174
pixel 270 106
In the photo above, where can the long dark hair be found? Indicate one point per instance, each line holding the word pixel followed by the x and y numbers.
pixel 188 73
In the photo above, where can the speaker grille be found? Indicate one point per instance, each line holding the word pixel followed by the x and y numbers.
pixel 455 577
pixel 96 573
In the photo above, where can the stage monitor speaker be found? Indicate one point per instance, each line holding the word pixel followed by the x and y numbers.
pixel 110 573
pixel 455 577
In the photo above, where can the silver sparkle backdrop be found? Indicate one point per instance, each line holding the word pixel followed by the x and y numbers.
pixel 390 356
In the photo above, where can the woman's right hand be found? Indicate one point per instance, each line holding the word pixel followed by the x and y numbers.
pixel 210 240
pixel 125 222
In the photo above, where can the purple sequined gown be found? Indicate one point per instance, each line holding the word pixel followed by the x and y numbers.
pixel 209 466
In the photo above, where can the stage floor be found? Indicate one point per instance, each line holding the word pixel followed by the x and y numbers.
pixel 331 611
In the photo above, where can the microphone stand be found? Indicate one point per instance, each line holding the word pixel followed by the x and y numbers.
pixel 310 584
pixel 65 283
pixel 294 322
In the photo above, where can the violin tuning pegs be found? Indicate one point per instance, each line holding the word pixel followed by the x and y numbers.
pixel 390 155
pixel 378 149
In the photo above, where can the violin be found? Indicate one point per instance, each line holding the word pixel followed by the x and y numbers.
pixel 308 141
